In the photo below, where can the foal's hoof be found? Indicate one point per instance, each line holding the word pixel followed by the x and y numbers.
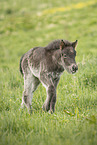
pixel 51 111
pixel 45 108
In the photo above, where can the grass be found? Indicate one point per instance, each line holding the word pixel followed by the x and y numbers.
pixel 23 25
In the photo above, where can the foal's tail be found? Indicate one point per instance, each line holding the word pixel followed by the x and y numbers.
pixel 20 64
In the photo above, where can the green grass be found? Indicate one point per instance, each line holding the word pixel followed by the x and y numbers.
pixel 23 25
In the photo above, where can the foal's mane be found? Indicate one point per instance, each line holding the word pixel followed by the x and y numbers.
pixel 54 45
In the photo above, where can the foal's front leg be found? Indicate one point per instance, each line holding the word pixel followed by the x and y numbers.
pixel 50 84
pixel 51 99
pixel 51 93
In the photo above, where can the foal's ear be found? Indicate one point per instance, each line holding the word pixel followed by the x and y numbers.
pixel 62 44
pixel 74 44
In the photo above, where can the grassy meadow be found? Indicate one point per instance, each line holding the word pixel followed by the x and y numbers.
pixel 28 23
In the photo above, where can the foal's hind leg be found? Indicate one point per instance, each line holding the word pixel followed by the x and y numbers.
pixel 30 85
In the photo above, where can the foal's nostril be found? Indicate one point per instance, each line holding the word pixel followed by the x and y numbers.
pixel 74 68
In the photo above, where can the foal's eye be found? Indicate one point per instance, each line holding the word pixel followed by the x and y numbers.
pixel 65 56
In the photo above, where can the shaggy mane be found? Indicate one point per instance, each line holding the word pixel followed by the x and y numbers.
pixel 54 45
